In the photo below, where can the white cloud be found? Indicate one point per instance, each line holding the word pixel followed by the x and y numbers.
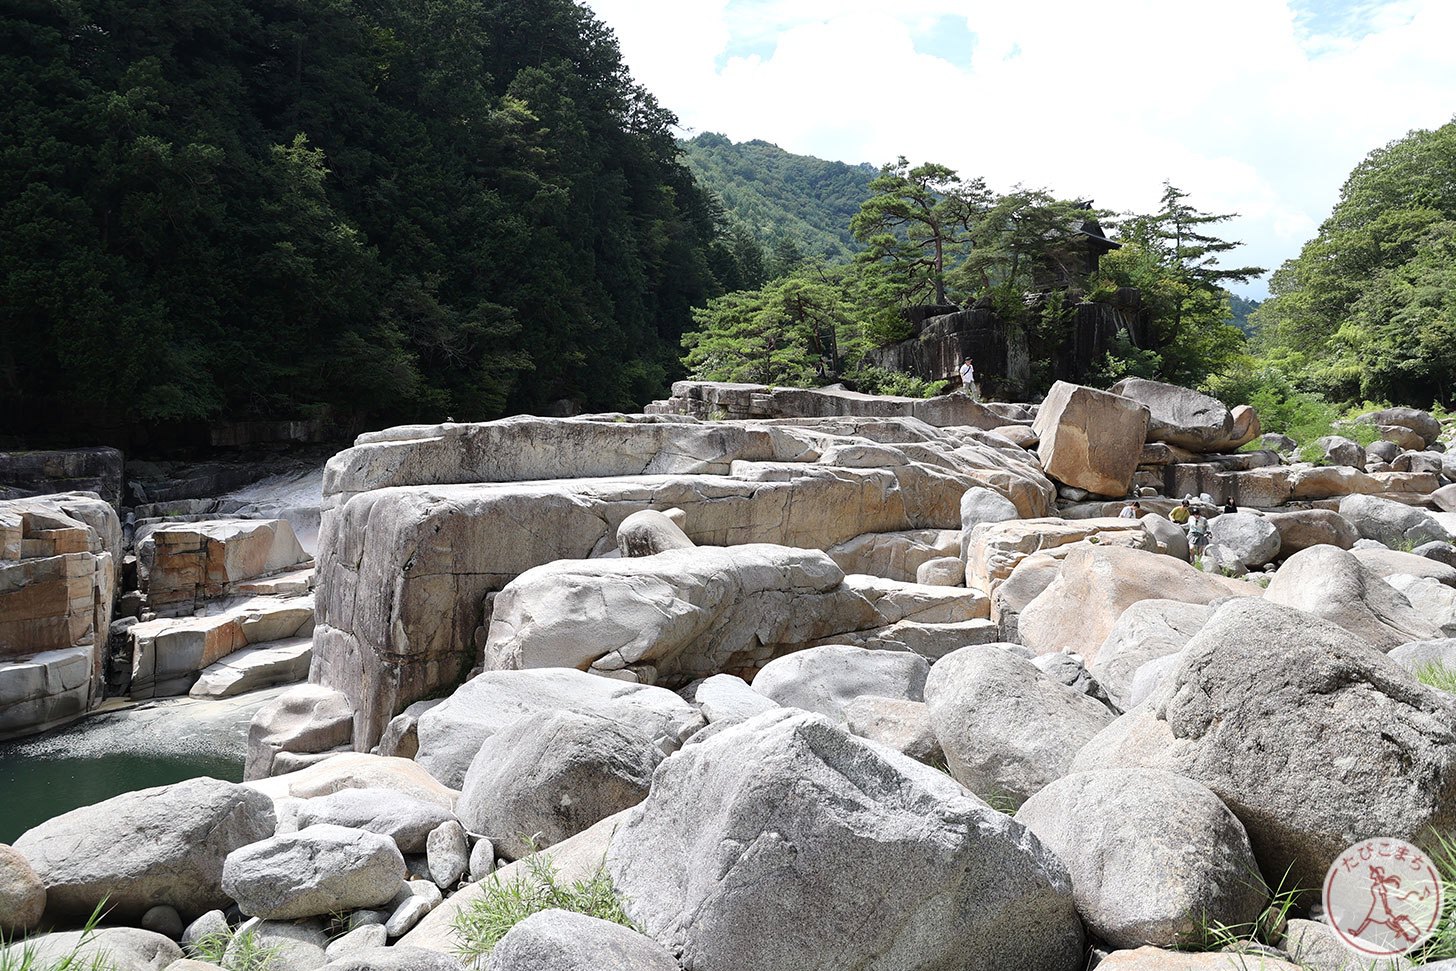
pixel 1252 106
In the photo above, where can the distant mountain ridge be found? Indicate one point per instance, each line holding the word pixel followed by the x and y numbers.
pixel 780 196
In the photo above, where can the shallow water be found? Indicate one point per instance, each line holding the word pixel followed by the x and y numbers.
pixel 106 754
pixel 35 788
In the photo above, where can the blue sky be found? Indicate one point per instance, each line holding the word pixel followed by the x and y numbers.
pixel 1259 107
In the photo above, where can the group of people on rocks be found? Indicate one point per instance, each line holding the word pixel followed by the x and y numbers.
pixel 1192 518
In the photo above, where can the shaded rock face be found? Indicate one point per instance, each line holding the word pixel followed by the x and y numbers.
pixel 1007 730
pixel 1180 416
pixel 452 733
pixel 552 774
pixel 1090 439
pixel 41 473
pixel 719 399
pixel 155 846
pixel 787 813
pixel 1278 725
pixel 421 524
pixel 1154 857
pixel 674 616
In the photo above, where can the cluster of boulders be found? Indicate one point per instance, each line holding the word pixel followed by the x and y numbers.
pixel 829 686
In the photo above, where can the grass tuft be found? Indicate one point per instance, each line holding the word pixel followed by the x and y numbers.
pixel 481 925
pixel 1434 674
pixel 20 954
pixel 235 952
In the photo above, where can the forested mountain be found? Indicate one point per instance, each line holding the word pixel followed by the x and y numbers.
pixel 1368 308
pixel 786 201
pixel 266 208
pixel 1240 309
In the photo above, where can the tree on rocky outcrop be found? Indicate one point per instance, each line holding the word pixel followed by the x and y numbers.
pixel 1173 260
pixel 918 223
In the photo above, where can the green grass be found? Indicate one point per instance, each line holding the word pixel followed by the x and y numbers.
pixel 1434 674
pixel 481 925
pixel 235 952
pixel 20 954
pixel 1442 944
pixel 1267 928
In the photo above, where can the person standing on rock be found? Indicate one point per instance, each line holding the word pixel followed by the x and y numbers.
pixel 1198 533
pixel 1180 513
pixel 968 379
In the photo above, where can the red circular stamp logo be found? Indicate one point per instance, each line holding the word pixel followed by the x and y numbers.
pixel 1382 897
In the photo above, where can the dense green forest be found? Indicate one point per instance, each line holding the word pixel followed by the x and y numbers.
pixel 272 208
pixel 795 206
pixel 1368 308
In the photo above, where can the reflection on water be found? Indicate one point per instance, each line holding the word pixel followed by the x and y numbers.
pixel 108 753
pixel 35 788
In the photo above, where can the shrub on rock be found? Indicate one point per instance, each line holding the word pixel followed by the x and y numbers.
pixel 1154 857
pixel 786 844
pixel 552 774
pixel 164 845
pixel 1313 738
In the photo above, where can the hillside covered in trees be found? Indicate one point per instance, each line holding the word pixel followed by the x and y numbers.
pixel 793 205
pixel 351 208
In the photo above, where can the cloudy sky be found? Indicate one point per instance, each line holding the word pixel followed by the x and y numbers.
pixel 1256 106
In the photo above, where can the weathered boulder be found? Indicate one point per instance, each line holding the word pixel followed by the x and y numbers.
pixel 401 736
pixel 319 870
pixel 982 505
pixel 826 679
pixel 1154 857
pixel 724 697
pixel 1097 583
pixel 1090 439
pixel 1316 948
pixel 682 614
pixel 902 725
pixel 396 957
pixel 1169 536
pixel 944 571
pixel 1416 655
pixel 550 775
pixel 1278 725
pixel 1006 729
pixel 1276 442
pixel 1388 563
pixel 112 948
pixel 452 732
pixel 289 945
pixel 1149 958
pixel 1339 450
pixel 559 940
pixel 1028 579
pixel 447 853
pixel 309 718
pixel 1440 552
pixel 895 555
pixel 1333 584
pixel 1392 523
pixel 648 532
pixel 22 894
pixel 787 813
pixel 1146 631
pixel 164 845
pixel 1179 416
pixel 1249 537
pixel 357 770
pixel 405 819
pixel 1432 599
pixel 1420 422
pixel 190 562
pixel 1418 462
pixel 1300 529
pixel 994 549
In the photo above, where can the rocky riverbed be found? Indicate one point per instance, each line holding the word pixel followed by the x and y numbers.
pixel 789 680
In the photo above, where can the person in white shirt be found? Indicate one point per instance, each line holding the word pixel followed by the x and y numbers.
pixel 1131 511
pixel 968 380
